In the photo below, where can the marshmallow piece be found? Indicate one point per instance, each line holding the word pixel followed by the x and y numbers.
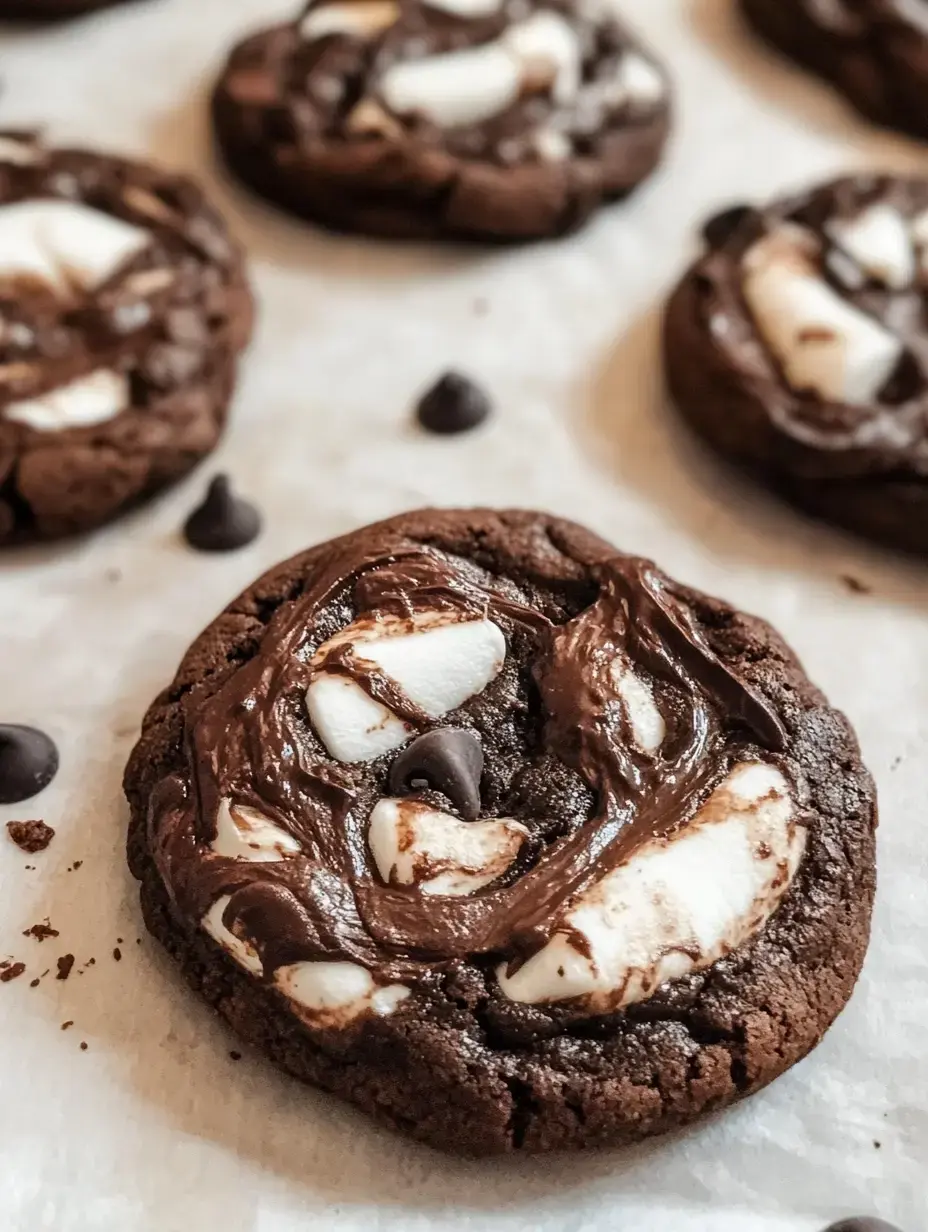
pixel 469 86
pixel 351 725
pixel 468 9
pixel 360 19
pixel 553 146
pixel 243 953
pixel 823 343
pixel 880 242
pixel 89 400
pixel 438 666
pixel 334 993
pixel 640 80
pixel 413 844
pixel 647 722
pixel 19 153
pixel 65 243
pixel 242 833
pixel 676 905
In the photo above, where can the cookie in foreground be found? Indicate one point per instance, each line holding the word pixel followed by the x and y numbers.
pixel 483 119
pixel 504 836
pixel 796 345
pixel 872 51
pixel 123 310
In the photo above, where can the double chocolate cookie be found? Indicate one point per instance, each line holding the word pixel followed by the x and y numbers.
pixel 503 835
pixel 123 310
pixel 797 345
pixel 490 119
pixel 874 51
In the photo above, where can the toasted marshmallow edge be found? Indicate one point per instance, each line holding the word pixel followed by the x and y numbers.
pixel 242 833
pixel 677 905
pixel 65 242
pixel 472 85
pixel 361 18
pixel 19 153
pixel 438 666
pixel 640 79
pixel 335 993
pixel 90 400
pixel 647 722
pixel 880 241
pixel 822 342
pixel 406 837
pixel 466 8
pixel 244 954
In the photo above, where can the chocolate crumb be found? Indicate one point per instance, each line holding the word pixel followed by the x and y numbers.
pixel 12 972
pixel 83 1045
pixel 90 962
pixel 236 1056
pixel 855 585
pixel 65 963
pixel 69 1023
pixel 119 941
pixel 42 932
pixel 878 1145
pixel 34 983
pixel 31 836
pixel 117 954
pixel 76 865
pixel 454 404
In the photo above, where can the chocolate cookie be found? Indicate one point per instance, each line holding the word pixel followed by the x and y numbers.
pixel 796 344
pixel 50 10
pixel 503 835
pixel 489 119
pixel 874 51
pixel 123 309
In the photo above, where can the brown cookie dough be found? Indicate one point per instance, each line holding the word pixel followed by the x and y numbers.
pixel 874 51
pixel 123 310
pixel 504 836
pixel 796 345
pixel 482 119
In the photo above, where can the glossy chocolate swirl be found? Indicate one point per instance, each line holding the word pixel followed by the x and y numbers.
pixel 253 742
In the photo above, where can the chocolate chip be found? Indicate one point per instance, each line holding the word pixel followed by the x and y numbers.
pixel 28 762
pixel 30 836
pixel 722 226
pixel 449 760
pixel 454 404
pixel 65 963
pixel 223 522
pixel 13 972
pixel 863 1223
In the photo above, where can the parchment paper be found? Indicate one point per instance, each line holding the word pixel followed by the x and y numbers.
pixel 154 1128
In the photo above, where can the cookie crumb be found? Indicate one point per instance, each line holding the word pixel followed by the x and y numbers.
pixel 69 1023
pixel 878 1145
pixel 65 963
pixel 12 972
pixel 83 1045
pixel 31 836
pixel 117 954
pixel 855 585
pixel 236 1056
pixel 34 983
pixel 42 932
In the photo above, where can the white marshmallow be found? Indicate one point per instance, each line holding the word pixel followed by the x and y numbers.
pixel 64 243
pixel 336 992
pixel 439 665
pixel 467 9
pixel 243 953
pixel 678 904
pixel 640 80
pixel 823 343
pixel 19 153
pixel 880 241
pixel 647 722
pixel 553 146
pixel 89 400
pixel 361 18
pixel 242 833
pixel 469 86
pixel 351 725
pixel 409 841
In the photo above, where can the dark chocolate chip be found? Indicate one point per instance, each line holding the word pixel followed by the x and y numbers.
pixel 863 1223
pixel 449 760
pixel 223 522
pixel 454 404
pixel 722 226
pixel 28 762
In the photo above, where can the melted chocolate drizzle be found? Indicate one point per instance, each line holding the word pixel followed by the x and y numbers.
pixel 252 741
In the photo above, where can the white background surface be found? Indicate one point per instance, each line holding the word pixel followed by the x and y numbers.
pixel 154 1128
